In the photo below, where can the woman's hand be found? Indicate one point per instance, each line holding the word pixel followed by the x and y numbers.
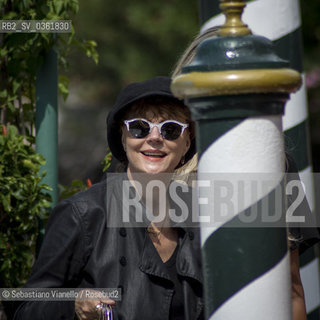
pixel 87 309
pixel 298 302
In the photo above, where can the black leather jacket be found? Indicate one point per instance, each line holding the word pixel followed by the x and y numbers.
pixel 85 247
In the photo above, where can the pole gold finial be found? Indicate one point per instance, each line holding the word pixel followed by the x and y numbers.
pixel 233 26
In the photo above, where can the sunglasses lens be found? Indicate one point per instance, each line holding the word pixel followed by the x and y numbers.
pixel 171 131
pixel 139 128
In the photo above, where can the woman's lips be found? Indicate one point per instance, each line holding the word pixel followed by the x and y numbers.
pixel 153 155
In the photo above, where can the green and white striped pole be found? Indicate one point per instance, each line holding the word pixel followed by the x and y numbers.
pixel 236 89
pixel 279 20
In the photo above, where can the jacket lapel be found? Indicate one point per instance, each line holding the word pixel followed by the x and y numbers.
pixel 151 262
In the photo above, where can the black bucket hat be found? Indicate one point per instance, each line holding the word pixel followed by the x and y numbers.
pixel 158 86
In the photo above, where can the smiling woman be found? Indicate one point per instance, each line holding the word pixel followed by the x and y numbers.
pixel 151 132
pixel 155 265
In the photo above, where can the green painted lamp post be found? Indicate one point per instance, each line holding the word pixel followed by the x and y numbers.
pixel 236 88
pixel 47 126
pixel 47 119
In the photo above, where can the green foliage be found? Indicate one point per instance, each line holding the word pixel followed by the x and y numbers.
pixel 76 186
pixel 107 160
pixel 21 54
pixel 23 200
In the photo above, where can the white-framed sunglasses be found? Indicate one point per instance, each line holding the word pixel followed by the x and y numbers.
pixel 169 129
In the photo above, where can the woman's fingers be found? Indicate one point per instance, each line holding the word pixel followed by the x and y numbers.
pixel 86 309
pixel 108 301
pixel 90 309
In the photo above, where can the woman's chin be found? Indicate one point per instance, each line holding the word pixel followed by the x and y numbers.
pixel 156 169
pixel 151 168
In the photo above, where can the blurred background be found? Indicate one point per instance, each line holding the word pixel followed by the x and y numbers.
pixel 137 40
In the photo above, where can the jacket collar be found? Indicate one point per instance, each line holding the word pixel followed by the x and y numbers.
pixel 188 258
pixel 150 261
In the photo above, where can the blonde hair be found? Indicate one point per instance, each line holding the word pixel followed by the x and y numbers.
pixel 187 172
pixel 190 52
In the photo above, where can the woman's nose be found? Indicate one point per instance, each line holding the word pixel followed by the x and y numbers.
pixel 155 134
